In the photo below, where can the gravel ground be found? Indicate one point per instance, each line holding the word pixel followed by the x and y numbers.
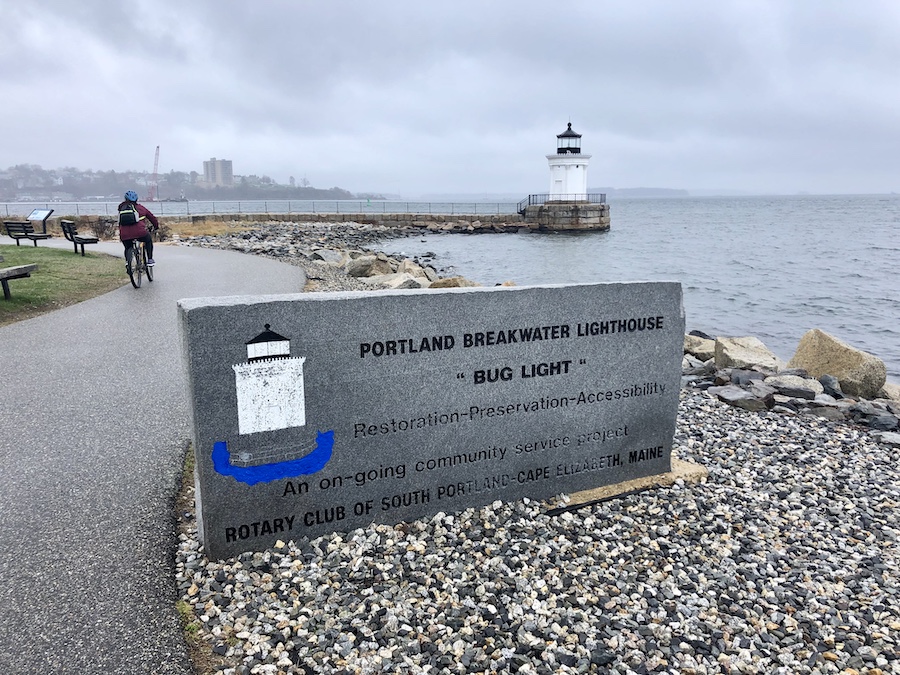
pixel 782 561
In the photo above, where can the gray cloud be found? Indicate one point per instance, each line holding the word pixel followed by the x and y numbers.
pixel 413 97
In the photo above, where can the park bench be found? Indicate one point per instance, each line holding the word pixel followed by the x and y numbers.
pixel 24 230
pixel 70 232
pixel 17 272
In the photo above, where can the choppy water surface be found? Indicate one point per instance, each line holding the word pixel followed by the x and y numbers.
pixel 772 267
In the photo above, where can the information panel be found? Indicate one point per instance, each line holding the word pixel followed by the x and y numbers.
pixel 328 411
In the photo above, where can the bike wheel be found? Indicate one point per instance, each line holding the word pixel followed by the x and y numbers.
pixel 147 268
pixel 134 269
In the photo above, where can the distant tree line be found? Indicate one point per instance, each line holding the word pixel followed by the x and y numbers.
pixel 30 181
pixel 237 191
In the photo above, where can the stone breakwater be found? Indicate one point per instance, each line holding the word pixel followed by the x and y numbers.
pixel 415 222
pixel 783 560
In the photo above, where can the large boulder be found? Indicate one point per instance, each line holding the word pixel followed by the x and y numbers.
pixel 860 374
pixel 407 266
pixel 745 352
pixel 890 391
pixel 403 280
pixel 453 282
pixel 368 266
pixel 700 347
pixel 339 258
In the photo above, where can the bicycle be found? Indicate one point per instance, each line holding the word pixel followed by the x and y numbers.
pixel 136 263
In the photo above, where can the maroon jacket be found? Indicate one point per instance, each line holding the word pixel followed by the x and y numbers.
pixel 139 229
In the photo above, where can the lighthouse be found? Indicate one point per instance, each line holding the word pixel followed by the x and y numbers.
pixel 568 169
pixel 568 205
pixel 269 385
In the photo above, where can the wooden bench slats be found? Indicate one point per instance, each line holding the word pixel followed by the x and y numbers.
pixel 17 272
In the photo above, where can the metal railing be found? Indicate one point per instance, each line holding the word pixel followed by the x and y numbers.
pixel 537 200
pixel 275 206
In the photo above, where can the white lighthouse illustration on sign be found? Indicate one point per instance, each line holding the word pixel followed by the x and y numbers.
pixel 269 385
pixel 270 400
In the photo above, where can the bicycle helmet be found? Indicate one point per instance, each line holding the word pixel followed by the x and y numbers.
pixel 131 196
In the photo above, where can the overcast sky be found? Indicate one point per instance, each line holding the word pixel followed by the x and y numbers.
pixel 426 97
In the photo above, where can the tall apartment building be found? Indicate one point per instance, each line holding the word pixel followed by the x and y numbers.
pixel 218 172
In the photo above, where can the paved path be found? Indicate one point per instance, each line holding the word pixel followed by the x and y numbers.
pixel 93 428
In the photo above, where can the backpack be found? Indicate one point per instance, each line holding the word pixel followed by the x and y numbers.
pixel 128 214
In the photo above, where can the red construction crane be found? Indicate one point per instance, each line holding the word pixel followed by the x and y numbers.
pixel 154 179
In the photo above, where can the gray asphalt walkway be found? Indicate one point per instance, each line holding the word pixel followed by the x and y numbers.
pixel 93 428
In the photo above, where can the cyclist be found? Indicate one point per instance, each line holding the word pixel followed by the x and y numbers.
pixel 132 225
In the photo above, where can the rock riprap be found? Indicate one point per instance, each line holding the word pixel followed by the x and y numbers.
pixel 744 373
pixel 337 248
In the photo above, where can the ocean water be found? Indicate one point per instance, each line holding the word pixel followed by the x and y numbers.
pixel 770 267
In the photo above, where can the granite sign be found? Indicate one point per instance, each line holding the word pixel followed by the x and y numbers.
pixel 328 411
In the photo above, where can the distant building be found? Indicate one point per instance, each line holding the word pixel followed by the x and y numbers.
pixel 218 172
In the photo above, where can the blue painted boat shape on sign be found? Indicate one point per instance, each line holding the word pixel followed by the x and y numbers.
pixel 313 462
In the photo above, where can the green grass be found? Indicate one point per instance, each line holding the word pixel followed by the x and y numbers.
pixel 62 278
pixel 186 616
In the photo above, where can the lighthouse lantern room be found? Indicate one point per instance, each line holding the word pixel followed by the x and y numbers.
pixel 568 142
